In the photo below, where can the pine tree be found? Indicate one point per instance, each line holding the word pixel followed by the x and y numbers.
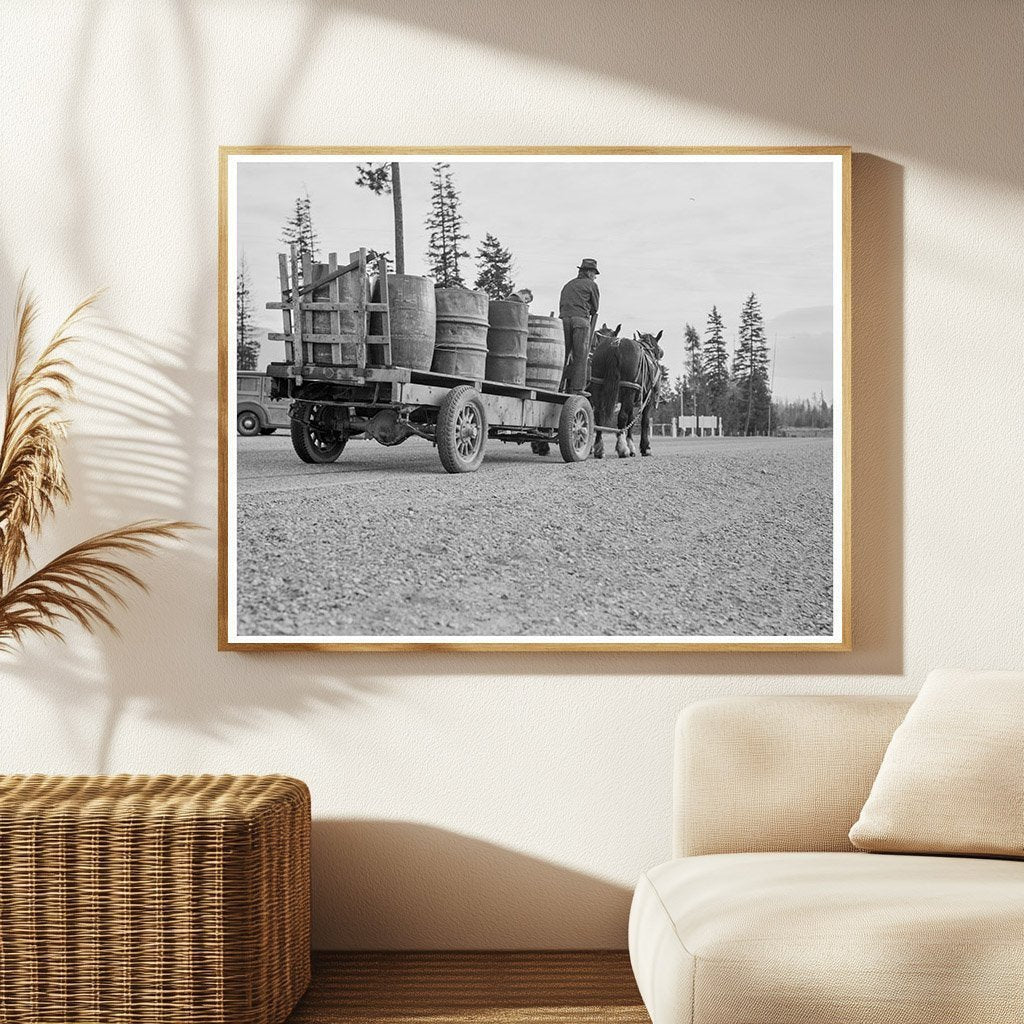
pixel 812 413
pixel 386 179
pixel 664 393
pixel 715 365
pixel 495 265
pixel 247 347
pixel 446 229
pixel 298 228
pixel 750 368
pixel 694 370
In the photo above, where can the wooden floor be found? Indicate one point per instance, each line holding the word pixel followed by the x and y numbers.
pixel 466 988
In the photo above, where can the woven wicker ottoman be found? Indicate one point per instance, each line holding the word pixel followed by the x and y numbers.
pixel 137 900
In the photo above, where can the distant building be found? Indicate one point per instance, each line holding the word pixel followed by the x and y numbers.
pixel 686 426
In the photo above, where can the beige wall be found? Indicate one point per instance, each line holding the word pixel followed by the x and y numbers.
pixel 481 800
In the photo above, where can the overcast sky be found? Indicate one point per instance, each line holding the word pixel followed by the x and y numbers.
pixel 671 240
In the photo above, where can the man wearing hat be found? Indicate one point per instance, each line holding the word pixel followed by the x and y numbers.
pixel 577 307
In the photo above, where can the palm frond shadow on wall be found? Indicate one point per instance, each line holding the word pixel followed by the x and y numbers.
pixel 142 443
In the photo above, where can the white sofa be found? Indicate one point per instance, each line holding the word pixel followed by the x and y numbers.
pixel 768 915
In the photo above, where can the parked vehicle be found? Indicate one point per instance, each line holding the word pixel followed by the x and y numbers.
pixel 258 412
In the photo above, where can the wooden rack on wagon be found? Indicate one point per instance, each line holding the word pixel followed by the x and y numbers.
pixel 362 362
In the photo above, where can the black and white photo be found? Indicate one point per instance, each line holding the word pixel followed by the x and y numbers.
pixel 580 399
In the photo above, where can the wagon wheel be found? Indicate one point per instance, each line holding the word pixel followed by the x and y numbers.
pixel 315 441
pixel 576 429
pixel 248 423
pixel 461 430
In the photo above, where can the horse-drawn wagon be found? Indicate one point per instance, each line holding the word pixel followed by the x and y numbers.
pixel 367 362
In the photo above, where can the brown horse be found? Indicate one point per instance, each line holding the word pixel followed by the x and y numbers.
pixel 627 372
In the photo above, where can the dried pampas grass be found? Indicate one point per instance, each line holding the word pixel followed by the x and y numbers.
pixel 82 584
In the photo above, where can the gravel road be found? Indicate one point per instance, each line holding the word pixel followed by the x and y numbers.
pixel 711 537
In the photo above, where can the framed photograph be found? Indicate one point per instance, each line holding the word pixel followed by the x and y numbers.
pixel 556 399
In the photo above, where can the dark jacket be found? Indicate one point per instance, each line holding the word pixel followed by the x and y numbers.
pixel 580 297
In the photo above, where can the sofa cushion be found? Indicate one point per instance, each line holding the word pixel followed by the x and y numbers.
pixel 950 780
pixel 830 938
pixel 777 772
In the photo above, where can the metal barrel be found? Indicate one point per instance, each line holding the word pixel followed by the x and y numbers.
pixel 460 347
pixel 328 351
pixel 413 312
pixel 506 341
pixel 545 353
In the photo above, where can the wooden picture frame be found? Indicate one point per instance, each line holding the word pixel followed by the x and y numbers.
pixel 232 638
